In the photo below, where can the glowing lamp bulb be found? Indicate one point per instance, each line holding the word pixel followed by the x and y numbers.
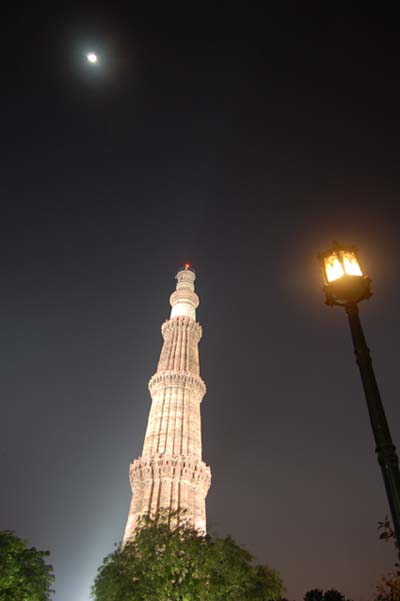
pixel 187 266
pixel 340 264
pixel 344 280
pixel 333 268
pixel 351 265
pixel 92 57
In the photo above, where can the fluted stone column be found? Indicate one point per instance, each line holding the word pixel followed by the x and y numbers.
pixel 170 474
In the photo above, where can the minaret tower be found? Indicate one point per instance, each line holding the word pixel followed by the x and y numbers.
pixel 170 474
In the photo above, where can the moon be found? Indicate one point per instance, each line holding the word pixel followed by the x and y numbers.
pixel 92 57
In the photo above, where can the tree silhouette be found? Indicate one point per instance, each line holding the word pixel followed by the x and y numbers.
pixel 330 595
pixel 176 563
pixel 24 575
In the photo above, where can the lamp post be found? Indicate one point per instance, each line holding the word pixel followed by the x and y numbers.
pixel 345 285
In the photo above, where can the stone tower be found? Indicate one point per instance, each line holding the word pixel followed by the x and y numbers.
pixel 170 474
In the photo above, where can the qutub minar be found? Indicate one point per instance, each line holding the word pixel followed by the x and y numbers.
pixel 170 475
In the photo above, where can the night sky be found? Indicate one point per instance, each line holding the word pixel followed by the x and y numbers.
pixel 243 142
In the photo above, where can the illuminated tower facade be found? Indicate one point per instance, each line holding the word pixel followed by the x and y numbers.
pixel 170 474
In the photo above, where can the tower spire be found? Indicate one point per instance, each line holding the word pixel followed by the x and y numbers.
pixel 170 474
pixel 184 301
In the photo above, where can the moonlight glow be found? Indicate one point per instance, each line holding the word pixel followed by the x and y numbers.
pixel 92 57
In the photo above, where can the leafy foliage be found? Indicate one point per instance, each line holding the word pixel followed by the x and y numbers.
pixel 318 595
pixel 172 562
pixel 24 575
pixel 388 587
pixel 314 595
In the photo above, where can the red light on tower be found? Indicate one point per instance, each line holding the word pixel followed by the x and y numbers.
pixel 187 266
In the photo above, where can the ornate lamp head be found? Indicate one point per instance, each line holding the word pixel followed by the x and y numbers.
pixel 344 281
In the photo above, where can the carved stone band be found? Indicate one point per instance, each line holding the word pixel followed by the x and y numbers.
pixel 188 470
pixel 182 322
pixel 178 378
pixel 185 295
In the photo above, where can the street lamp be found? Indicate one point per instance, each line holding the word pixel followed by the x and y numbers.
pixel 346 285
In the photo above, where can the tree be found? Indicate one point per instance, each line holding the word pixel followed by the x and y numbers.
pixel 314 595
pixel 24 575
pixel 175 563
pixel 318 595
pixel 388 587
pixel 334 595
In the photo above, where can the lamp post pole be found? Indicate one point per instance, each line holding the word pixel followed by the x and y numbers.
pixel 345 285
pixel 385 449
